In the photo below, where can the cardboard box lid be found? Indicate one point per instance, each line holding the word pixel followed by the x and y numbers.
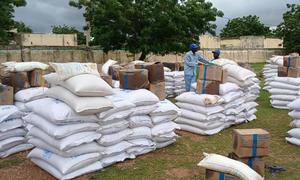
pixel 251 131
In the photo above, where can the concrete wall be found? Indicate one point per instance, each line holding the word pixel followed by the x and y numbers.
pixel 207 41
pixel 243 42
pixel 230 44
pixel 30 40
pixel 273 43
pixel 96 55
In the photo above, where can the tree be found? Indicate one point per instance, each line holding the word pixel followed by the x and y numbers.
pixel 65 29
pixel 289 29
pixel 6 17
pixel 22 28
pixel 245 26
pixel 148 26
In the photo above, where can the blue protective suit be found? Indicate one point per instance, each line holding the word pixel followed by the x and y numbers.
pixel 190 66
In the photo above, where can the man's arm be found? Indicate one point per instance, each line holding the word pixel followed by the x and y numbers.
pixel 203 60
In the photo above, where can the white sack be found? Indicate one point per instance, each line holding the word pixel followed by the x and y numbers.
pixel 9 112
pixel 58 112
pixel 201 100
pixel 68 70
pixel 223 164
pixel 59 131
pixel 30 94
pixel 82 105
pixel 67 142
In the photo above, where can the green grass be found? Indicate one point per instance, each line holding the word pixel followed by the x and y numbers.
pixel 187 151
pixel 10 162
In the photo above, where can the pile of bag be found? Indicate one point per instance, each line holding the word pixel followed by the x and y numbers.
pixel 175 83
pixel 163 126
pixel 169 84
pixel 84 125
pixel 12 131
pixel 209 114
pixel 294 133
pixel 270 70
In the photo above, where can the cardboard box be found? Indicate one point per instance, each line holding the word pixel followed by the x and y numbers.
pixel 19 81
pixel 251 142
pixel 114 71
pixel 291 61
pixel 214 175
pixel 156 71
pixel 257 164
pixel 107 78
pixel 208 87
pixel 134 79
pixel 282 71
pixel 294 72
pixel 159 90
pixel 210 72
pixel 36 78
pixel 6 95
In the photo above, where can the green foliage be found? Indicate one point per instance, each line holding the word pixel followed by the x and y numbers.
pixel 22 28
pixel 244 26
pixel 289 30
pixel 65 29
pixel 158 26
pixel 6 17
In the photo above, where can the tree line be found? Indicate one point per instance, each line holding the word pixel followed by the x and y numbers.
pixel 156 26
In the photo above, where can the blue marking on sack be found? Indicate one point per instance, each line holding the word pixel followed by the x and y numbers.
pixel 289 61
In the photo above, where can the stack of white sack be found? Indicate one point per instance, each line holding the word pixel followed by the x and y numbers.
pixel 79 136
pixel 209 114
pixel 163 126
pixel 284 90
pixel 270 70
pixel 294 133
pixel 12 131
pixel 175 83
pixel 169 84
pixel 201 114
pixel 243 97
pixel 64 126
pixel 179 82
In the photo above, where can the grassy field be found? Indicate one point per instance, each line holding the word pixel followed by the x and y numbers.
pixel 179 161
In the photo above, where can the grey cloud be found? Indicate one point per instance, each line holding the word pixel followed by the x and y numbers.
pixel 269 11
pixel 41 15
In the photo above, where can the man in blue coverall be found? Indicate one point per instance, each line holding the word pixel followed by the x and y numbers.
pixel 191 60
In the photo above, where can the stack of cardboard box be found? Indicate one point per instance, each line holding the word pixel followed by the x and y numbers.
pixel 291 67
pixel 156 78
pixel 23 80
pixel 209 79
pixel 249 147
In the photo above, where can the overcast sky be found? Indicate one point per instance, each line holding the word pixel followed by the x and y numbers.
pixel 40 15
